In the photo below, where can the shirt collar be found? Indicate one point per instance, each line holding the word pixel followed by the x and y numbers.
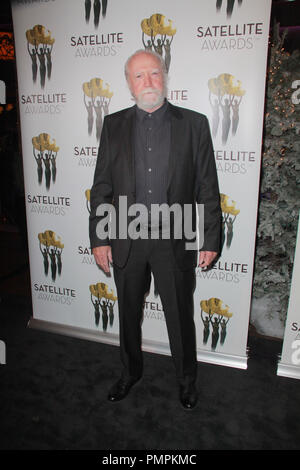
pixel 156 115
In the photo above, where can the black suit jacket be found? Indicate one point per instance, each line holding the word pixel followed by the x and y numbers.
pixel 192 178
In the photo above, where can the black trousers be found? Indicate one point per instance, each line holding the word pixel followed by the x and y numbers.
pixel 175 288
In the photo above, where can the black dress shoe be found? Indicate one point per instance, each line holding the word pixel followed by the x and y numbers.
pixel 121 388
pixel 188 396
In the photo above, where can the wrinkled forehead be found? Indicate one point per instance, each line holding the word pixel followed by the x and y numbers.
pixel 143 62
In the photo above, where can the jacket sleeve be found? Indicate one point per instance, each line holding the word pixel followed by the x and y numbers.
pixel 207 190
pixel 101 191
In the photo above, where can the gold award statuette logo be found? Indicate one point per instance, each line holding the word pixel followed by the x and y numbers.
pixel 225 96
pixel 45 153
pixel 229 214
pixel 218 315
pixel 102 298
pixel 51 249
pixel 96 100
pixel 39 46
pixel 99 7
pixel 158 36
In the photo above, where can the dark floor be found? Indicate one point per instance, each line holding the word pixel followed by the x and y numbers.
pixel 53 390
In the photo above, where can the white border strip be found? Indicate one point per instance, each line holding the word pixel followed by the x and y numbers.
pixel 239 362
pixel 288 370
pixel 73 331
pixel 228 360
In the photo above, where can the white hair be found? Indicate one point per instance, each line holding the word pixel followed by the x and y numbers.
pixel 146 51
pixel 153 54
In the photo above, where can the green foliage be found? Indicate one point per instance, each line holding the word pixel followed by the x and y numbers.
pixel 279 193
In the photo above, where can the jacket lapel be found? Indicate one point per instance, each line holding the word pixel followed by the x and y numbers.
pixel 176 139
pixel 127 139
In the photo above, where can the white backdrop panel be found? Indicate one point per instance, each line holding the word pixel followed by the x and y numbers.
pixel 214 57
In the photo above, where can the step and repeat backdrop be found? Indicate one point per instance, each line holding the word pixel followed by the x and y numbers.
pixel 70 65
pixel 289 363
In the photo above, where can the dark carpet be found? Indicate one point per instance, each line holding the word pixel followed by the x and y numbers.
pixel 54 388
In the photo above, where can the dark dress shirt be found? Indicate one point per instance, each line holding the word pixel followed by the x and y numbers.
pixel 152 148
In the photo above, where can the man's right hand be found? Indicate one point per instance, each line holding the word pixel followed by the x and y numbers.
pixel 103 257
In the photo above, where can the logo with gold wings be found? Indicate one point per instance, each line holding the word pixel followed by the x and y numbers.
pixel 96 100
pixel 215 316
pixel 225 96
pixel 99 8
pixel 158 36
pixel 39 46
pixel 51 249
pixel 102 299
pixel 229 214
pixel 45 153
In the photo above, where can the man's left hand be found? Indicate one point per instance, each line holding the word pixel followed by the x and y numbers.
pixel 206 258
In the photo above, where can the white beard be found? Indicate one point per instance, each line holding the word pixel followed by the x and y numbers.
pixel 146 102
